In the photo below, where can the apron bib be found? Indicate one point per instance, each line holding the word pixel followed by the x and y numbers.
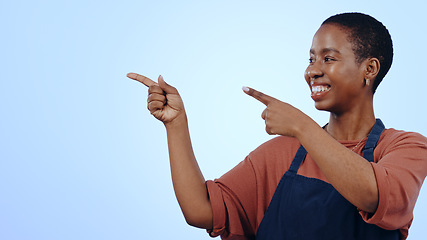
pixel 309 208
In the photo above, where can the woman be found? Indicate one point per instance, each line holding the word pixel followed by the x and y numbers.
pixel 310 182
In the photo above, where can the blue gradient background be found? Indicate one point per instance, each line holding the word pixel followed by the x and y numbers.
pixel 81 157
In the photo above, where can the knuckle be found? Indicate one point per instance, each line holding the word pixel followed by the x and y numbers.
pixel 155 88
pixel 258 94
pixel 156 97
pixel 152 106
pixel 268 130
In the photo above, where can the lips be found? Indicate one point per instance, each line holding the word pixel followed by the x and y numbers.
pixel 318 90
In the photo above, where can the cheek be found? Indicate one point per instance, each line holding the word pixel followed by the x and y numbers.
pixel 346 72
pixel 336 70
pixel 340 75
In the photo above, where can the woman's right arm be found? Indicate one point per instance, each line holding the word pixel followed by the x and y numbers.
pixel 165 104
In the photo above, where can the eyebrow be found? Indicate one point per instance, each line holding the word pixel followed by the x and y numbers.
pixel 325 50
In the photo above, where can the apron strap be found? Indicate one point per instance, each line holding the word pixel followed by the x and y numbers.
pixel 299 157
pixel 371 143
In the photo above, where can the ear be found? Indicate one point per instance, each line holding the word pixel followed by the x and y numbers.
pixel 372 68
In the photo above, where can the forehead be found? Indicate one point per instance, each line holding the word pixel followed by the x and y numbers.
pixel 331 37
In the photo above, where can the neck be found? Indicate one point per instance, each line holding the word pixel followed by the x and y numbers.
pixel 351 126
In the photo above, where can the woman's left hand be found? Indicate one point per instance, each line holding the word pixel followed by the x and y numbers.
pixel 280 118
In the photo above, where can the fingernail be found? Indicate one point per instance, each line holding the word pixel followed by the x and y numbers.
pixel 245 89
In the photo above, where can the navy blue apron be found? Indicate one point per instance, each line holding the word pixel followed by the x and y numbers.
pixel 311 209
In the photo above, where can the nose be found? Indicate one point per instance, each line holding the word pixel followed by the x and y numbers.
pixel 313 71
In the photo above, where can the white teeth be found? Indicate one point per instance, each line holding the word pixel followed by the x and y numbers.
pixel 317 89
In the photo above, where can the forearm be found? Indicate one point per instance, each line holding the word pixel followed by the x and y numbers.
pixel 188 180
pixel 350 174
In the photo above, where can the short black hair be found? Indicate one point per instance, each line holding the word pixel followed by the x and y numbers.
pixel 369 37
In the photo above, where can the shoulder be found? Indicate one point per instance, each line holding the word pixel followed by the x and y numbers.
pixel 402 145
pixel 278 146
pixel 392 137
pixel 275 154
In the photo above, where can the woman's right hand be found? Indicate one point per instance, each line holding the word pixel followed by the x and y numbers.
pixel 164 101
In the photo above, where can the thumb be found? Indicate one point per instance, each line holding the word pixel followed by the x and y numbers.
pixel 166 87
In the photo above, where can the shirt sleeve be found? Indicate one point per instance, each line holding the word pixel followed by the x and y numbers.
pixel 233 199
pixel 400 172
pixel 240 197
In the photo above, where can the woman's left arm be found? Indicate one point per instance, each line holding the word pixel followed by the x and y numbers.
pixel 350 174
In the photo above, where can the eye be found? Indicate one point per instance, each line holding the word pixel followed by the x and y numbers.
pixel 328 59
pixel 311 60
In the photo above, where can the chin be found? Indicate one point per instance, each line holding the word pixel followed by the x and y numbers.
pixel 319 106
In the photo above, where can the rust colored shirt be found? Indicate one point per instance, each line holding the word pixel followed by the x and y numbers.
pixel 241 196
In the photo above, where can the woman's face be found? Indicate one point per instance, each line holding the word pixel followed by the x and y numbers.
pixel 335 79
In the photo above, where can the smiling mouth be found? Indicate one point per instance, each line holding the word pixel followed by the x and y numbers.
pixel 316 90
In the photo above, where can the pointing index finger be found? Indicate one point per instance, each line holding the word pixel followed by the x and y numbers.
pixel 142 79
pixel 264 98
